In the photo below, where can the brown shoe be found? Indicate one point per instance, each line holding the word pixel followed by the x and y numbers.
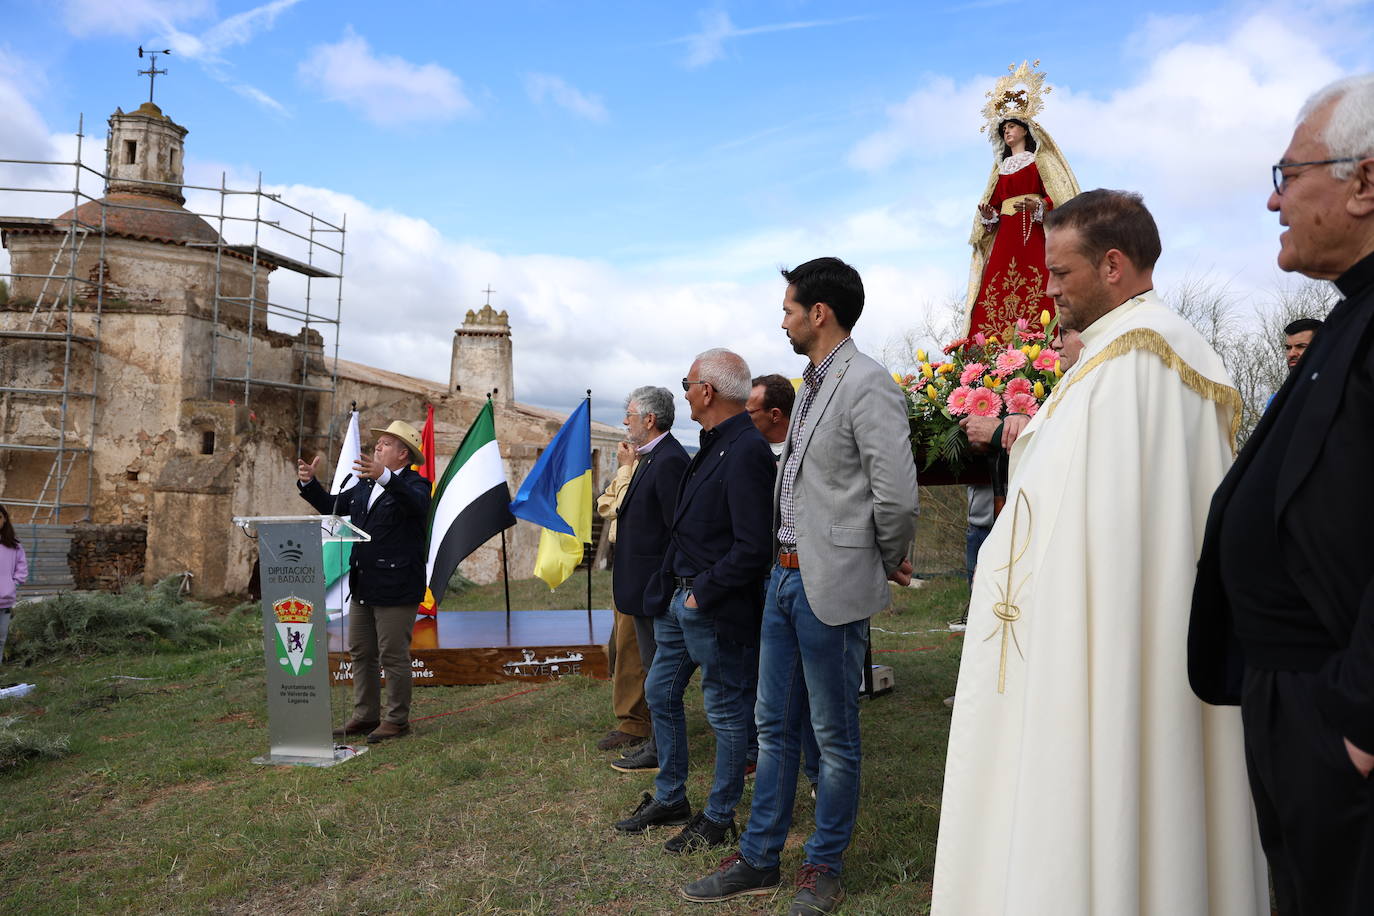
pixel 354 726
pixel 619 740
pixel 388 730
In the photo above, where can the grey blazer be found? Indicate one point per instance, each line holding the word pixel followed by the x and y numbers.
pixel 855 492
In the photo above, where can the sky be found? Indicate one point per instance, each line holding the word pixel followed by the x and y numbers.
pixel 628 178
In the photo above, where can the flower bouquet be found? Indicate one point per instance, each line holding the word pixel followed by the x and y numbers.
pixel 979 376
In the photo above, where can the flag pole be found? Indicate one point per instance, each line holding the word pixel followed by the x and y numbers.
pixel 505 577
pixel 591 457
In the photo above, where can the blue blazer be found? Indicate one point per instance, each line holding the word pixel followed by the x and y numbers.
pixel 389 569
pixel 722 531
pixel 643 523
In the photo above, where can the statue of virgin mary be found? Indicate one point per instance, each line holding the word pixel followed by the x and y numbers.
pixel 1029 177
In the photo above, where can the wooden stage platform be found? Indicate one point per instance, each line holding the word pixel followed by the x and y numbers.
pixel 478 647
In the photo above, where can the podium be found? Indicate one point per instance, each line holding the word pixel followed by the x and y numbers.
pixel 295 635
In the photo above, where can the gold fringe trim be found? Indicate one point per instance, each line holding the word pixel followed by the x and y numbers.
pixel 1154 342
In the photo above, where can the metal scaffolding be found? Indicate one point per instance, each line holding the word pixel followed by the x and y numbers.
pixel 67 311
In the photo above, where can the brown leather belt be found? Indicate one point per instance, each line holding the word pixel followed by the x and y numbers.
pixel 787 558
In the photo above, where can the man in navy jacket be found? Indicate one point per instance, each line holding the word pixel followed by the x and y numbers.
pixel 708 602
pixel 390 502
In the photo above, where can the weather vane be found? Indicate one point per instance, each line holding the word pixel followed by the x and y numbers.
pixel 152 70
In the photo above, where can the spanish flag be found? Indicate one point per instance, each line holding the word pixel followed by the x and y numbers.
pixel 557 496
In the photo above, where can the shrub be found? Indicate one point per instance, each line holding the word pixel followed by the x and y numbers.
pixel 136 620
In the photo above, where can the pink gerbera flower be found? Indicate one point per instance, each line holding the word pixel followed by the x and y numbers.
pixel 1009 360
pixel 1046 360
pixel 972 373
pixel 958 400
pixel 1022 403
pixel 1017 386
pixel 984 402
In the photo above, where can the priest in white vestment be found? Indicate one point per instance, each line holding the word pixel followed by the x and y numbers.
pixel 1083 777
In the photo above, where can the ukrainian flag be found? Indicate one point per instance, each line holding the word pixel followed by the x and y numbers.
pixel 557 496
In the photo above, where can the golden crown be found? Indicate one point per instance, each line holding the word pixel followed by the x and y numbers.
pixel 1020 94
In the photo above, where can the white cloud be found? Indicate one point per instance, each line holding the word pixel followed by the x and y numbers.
pixel 708 45
pixel 130 17
pixel 384 88
pixel 543 86
pixel 935 118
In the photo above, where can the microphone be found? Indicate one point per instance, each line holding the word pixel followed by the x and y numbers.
pixel 343 488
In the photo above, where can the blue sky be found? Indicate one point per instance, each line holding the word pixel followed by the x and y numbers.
pixel 629 176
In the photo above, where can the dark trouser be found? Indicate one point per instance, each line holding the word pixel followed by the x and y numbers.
pixel 379 640
pixel 1313 806
pixel 644 632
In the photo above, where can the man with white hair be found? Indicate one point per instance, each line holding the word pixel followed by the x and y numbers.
pixel 707 601
pixel 1283 608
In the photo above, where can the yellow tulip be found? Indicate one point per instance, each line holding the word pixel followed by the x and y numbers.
pixel 1034 351
pixel 995 384
pixel 1044 318
pixel 1058 372
pixel 921 355
pixel 930 393
pixel 946 368
pixel 926 370
pixel 1025 349
pixel 1039 390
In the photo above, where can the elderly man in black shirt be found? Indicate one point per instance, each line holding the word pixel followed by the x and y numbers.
pixel 1283 609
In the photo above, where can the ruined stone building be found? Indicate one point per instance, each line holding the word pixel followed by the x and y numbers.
pixel 145 401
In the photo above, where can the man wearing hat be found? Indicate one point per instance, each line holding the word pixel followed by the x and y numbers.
pixel 390 501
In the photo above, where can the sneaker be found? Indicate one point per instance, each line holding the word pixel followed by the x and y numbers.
pixel 618 740
pixel 734 878
pixel 643 759
pixel 818 891
pixel 701 833
pixel 651 814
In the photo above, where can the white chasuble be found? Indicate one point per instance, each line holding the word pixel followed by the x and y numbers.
pixel 1083 777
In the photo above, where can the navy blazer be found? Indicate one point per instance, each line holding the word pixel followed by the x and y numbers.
pixel 643 522
pixel 722 531
pixel 389 569
pixel 1323 503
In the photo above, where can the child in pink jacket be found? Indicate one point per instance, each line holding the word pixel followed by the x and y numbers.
pixel 14 569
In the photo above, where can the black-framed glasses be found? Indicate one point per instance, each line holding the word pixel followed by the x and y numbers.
pixel 1280 179
pixel 687 383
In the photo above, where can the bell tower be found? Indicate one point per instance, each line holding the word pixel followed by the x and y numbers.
pixel 144 154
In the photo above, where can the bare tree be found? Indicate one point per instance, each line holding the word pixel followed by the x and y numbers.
pixel 1250 342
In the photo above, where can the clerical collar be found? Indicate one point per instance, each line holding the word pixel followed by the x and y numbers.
pixel 1359 277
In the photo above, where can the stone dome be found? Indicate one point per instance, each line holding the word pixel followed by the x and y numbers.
pixel 142 216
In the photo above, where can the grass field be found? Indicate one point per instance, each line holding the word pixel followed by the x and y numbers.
pixel 498 804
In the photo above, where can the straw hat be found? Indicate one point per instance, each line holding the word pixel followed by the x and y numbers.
pixel 407 434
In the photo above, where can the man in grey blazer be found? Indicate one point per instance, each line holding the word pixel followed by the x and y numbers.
pixel 844 515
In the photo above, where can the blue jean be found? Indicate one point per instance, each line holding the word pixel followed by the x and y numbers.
pixel 799 658
pixel 973 542
pixel 687 640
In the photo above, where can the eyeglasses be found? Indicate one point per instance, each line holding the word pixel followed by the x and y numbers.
pixel 687 383
pixel 1280 179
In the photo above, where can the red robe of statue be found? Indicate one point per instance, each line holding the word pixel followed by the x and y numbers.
pixel 1014 278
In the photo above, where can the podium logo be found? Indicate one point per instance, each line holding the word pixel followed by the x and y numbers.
pixel 290 551
pixel 295 637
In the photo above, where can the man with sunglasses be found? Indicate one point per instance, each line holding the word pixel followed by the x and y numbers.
pixel 1283 608
pixel 706 602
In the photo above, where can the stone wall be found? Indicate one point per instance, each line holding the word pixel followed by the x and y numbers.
pixel 106 557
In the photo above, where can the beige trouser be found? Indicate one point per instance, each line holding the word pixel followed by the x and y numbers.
pixel 380 635
pixel 627 679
